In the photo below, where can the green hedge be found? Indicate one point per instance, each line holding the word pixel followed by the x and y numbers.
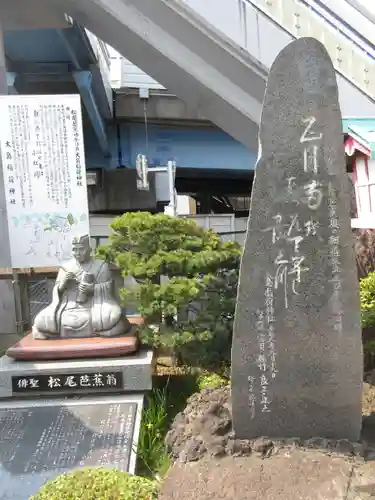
pixel 98 484
pixel 367 294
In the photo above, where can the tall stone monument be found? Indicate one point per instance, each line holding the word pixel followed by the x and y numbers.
pixel 297 350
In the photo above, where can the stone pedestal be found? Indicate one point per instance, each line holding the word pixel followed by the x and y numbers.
pixel 43 438
pixel 60 415
pixel 77 376
pixel 30 349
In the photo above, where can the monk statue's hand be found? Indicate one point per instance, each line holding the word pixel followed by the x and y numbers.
pixel 62 285
pixel 86 288
pixel 70 276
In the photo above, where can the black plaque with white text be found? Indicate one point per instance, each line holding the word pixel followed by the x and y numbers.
pixel 39 443
pixel 73 381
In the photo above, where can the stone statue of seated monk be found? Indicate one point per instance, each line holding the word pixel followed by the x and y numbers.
pixel 83 303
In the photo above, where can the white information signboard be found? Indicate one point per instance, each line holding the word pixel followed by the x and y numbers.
pixel 43 160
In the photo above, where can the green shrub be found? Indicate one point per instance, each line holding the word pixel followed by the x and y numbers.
pixel 153 457
pixel 367 294
pixel 208 380
pixel 98 484
pixel 369 347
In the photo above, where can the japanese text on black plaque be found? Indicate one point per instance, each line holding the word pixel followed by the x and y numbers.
pixel 80 381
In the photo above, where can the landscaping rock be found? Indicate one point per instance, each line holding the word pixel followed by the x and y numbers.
pixel 204 429
pixel 291 475
pixel 262 445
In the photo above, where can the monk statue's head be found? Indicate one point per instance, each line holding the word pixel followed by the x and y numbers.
pixel 81 249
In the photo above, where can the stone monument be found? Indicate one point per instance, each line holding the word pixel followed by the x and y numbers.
pixel 83 319
pixel 297 351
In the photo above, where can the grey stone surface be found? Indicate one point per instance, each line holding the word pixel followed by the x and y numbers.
pixel 40 441
pixel 136 374
pixel 362 485
pixel 297 350
pixel 204 428
pixel 8 339
pixel 307 475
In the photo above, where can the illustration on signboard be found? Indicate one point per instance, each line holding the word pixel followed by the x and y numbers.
pixel 50 234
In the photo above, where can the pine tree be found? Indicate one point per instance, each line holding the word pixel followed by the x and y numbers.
pixel 186 283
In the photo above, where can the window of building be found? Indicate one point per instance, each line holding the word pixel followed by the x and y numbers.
pixel 364 184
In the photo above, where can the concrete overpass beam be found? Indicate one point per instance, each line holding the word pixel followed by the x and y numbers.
pixel 193 60
pixel 175 46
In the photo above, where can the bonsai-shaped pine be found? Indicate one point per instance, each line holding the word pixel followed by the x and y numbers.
pixel 186 283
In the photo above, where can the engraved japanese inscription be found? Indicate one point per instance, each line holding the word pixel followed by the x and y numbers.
pixel 44 176
pixel 75 381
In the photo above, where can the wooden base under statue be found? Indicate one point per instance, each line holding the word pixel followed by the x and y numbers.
pixel 29 349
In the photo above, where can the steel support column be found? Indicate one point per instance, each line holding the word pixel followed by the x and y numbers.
pixel 83 80
pixel 11 83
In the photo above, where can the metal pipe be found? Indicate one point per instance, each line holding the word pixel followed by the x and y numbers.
pixel 17 303
pixel 172 192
